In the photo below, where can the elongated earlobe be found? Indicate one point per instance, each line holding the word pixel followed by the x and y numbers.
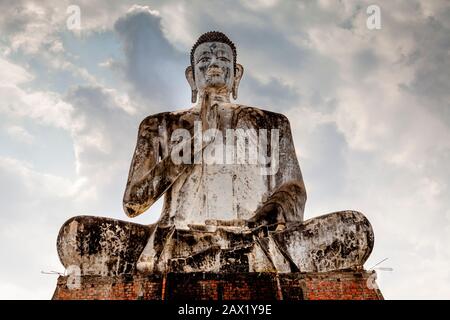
pixel 194 96
pixel 189 73
pixel 235 91
pixel 238 73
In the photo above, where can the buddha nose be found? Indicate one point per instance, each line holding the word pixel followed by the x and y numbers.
pixel 214 62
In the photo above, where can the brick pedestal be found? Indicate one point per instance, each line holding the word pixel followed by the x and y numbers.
pixel 347 285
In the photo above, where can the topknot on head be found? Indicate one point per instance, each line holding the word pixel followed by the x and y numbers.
pixel 214 36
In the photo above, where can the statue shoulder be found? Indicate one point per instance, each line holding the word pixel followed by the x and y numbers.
pixel 163 118
pixel 275 118
pixel 153 120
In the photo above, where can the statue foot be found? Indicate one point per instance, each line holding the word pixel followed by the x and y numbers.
pixel 101 246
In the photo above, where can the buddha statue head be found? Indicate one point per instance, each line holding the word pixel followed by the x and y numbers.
pixel 213 67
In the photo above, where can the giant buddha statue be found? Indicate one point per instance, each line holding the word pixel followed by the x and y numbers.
pixel 234 195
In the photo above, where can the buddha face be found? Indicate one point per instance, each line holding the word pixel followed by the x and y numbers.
pixel 213 69
pixel 213 66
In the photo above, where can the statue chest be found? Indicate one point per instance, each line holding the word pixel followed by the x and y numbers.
pixel 222 192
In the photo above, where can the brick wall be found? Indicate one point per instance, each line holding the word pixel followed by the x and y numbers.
pixel 240 286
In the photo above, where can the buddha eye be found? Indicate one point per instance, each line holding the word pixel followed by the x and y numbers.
pixel 204 59
pixel 224 59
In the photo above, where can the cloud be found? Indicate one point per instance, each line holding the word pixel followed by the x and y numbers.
pixel 20 134
pixel 26 25
pixel 268 94
pixel 12 74
pixel 35 182
pixel 102 125
pixel 106 131
pixel 32 204
pixel 45 107
pixel 152 65
pixel 34 26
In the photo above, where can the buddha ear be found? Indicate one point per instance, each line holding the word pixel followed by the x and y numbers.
pixel 189 73
pixel 238 73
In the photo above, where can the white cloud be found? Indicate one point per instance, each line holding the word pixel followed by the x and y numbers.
pixel 20 134
pixel 44 107
pixel 39 183
pixel 33 26
pixel 12 74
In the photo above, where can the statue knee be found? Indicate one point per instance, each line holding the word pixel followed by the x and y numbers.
pixel 335 241
pixel 101 246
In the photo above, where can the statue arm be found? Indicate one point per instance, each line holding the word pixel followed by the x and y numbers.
pixel 286 203
pixel 149 176
pixel 290 178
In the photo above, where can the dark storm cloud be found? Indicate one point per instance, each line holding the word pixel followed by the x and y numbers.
pixel 431 59
pixel 106 131
pixel 153 66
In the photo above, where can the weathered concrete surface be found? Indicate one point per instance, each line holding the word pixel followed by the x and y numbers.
pixel 195 193
pixel 101 246
pixel 337 241
pixel 218 217
pixel 331 242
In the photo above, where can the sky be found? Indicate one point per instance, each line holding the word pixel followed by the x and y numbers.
pixel 369 110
